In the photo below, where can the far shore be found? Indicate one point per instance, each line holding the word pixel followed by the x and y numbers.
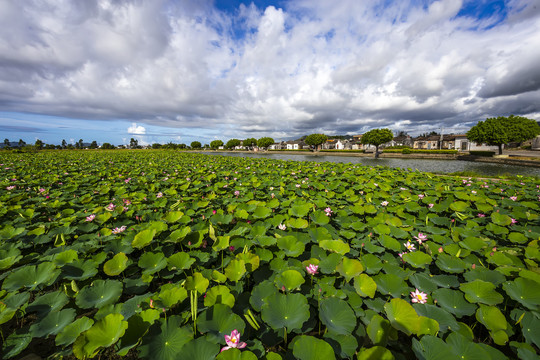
pixel 518 157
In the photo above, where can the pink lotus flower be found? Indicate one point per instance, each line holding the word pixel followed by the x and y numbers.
pixel 328 211
pixel 236 193
pixel 421 196
pixel 481 215
pixel 410 246
pixel 418 297
pixel 159 194
pixel 421 237
pixel 513 198
pixel 282 227
pixel 110 207
pixel 118 230
pixel 233 341
pixel 431 205
pixel 514 221
pixel 312 269
pixel 11 187
pixel 91 217
pixel 384 203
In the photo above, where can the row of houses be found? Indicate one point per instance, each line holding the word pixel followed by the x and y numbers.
pixel 448 142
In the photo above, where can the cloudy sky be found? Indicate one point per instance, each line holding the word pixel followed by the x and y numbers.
pixel 185 70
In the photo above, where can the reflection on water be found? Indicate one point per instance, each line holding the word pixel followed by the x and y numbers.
pixel 438 166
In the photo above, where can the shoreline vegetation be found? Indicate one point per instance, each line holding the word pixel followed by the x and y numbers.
pixel 505 159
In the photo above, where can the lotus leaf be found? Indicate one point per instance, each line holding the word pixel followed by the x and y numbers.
pixel 171 294
pixel 103 333
pixel 235 270
pixel 494 320
pixel 450 263
pixel 80 270
pixel 365 286
pixel 379 330
pixel 479 291
pixel 199 349
pixel 288 311
pixel 336 246
pixel 350 268
pixel 260 292
pixel 165 340
pixel 525 291
pixel 453 302
pixel 309 348
pixel 31 277
pixel 143 238
pixel 530 325
pixel 444 318
pixel 179 261
pixel 53 323
pixel 235 354
pixel 219 295
pixel 152 262
pixel 99 294
pixel 403 317
pixel 16 342
pixel 344 345
pixel 72 331
pixel 291 246
pixel 337 316
pixel 376 352
pixel 417 259
pixel 9 257
pixel 290 279
pixel 251 261
pixel 391 284
pixel 197 282
pixel 116 265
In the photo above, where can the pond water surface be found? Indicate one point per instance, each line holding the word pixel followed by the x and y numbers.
pixel 428 165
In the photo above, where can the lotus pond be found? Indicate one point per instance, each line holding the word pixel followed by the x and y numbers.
pixel 166 255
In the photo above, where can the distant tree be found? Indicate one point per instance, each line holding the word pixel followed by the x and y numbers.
pixel 377 137
pixel 38 144
pixel 170 145
pixel 107 146
pixel 195 145
pixel 50 146
pixel 250 142
pixel 315 140
pixel 64 144
pixel 70 147
pixel 6 143
pixel 133 143
pixel 156 146
pixel 93 145
pixel 503 130
pixel 265 142
pixel 182 146
pixel 21 143
pixel 401 133
pixel 58 147
pixel 215 144
pixel 231 144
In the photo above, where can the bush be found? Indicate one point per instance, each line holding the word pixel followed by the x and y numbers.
pixel 406 151
pixel 482 153
pixel 419 151
pixel 344 151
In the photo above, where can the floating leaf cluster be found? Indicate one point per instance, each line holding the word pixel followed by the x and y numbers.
pixel 160 254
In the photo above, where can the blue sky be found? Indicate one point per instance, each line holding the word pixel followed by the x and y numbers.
pixel 186 70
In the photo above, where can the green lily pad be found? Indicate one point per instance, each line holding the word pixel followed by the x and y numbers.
pixel 235 354
pixel 365 286
pixel 102 334
pixel 31 277
pixel 219 295
pixel 343 345
pixel 291 246
pixel 336 246
pixel 199 349
pixel 99 294
pixel 493 319
pixel 391 284
pixel 49 302
pixel 525 291
pixel 79 270
pixel 379 330
pixel 403 317
pixel 309 348
pixel 289 311
pixel 235 270
pixel 53 323
pixel 450 263
pixel 179 261
pixel 72 331
pixel 171 294
pixel 291 279
pixel 444 318
pixel 297 223
pixel 453 302
pixel 219 320
pixel 260 293
pixel 417 259
pixel 337 316
pixel 143 238
pixel 165 339
pixel 16 342
pixel 500 219
pixel 116 265
pixel 151 263
pixel 197 282
pixel 479 291
pixel 375 352
pixel 349 268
